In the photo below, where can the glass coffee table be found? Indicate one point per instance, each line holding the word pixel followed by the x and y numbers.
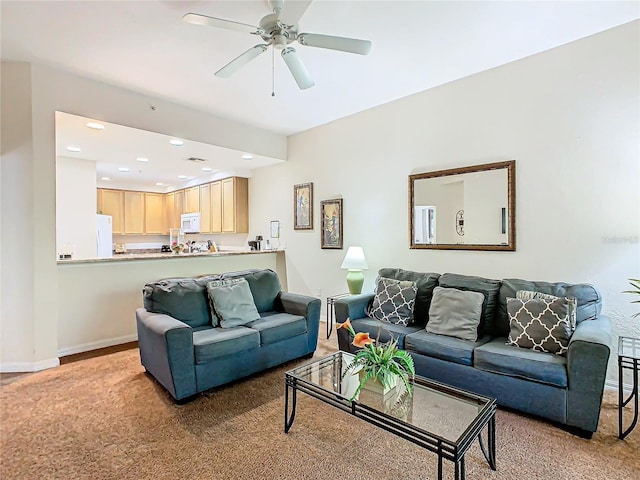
pixel 440 418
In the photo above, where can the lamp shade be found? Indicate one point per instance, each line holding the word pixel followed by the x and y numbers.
pixel 354 259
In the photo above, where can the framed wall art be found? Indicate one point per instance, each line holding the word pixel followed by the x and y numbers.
pixel 303 206
pixel 331 211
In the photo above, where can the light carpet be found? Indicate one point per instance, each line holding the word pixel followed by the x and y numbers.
pixel 104 418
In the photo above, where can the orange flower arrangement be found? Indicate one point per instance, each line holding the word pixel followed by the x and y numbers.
pixel 382 361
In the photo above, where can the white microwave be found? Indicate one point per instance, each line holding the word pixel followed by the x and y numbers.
pixel 190 222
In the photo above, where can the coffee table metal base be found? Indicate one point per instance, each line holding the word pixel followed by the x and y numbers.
pixel 445 449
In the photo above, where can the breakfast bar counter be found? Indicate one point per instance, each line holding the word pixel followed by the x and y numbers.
pixel 98 297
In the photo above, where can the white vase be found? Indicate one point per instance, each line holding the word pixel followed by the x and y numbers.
pixel 374 385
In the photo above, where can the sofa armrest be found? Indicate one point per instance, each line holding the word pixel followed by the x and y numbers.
pixel 587 360
pixel 166 351
pixel 352 307
pixel 307 307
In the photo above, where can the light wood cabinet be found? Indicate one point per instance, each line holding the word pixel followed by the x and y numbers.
pixel 205 208
pixel 216 207
pixel 235 205
pixel 192 200
pixel 178 207
pixel 169 202
pixel 154 213
pixel 111 202
pixel 133 212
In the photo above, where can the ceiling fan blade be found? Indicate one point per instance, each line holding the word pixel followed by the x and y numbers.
pixel 297 68
pixel 344 44
pixel 292 11
pixel 197 19
pixel 240 61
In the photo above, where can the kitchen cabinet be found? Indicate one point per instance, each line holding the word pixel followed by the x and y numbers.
pixel 154 213
pixel 192 200
pixel 235 205
pixel 133 212
pixel 169 202
pixel 111 202
pixel 178 207
pixel 216 207
pixel 205 208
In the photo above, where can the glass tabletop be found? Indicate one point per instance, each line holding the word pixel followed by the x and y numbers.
pixel 629 347
pixel 433 407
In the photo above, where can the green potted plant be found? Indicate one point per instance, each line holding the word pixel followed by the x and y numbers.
pixel 635 283
pixel 381 362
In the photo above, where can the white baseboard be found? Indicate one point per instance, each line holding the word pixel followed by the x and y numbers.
pixel 14 367
pixel 86 347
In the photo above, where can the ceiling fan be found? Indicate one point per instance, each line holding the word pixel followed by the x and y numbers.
pixel 279 29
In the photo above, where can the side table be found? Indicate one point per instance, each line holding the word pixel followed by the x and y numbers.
pixel 628 359
pixel 331 312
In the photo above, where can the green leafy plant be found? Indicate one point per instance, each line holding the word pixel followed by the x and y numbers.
pixel 382 361
pixel 635 283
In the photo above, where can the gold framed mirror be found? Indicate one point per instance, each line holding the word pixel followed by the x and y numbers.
pixel 467 208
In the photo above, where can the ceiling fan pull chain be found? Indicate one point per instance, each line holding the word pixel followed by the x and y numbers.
pixel 273 72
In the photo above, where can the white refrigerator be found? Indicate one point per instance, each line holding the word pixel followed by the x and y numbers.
pixel 104 236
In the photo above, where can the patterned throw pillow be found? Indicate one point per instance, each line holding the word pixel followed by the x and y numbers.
pixel 393 301
pixel 539 324
pixel 215 320
pixel 572 301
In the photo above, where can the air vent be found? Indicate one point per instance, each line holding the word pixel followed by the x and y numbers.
pixel 196 159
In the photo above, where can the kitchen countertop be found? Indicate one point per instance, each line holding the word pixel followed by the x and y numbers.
pixel 120 257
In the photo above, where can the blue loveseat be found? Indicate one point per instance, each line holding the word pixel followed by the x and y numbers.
pixel 181 348
pixel 565 389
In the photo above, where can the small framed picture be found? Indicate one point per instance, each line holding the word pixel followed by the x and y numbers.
pixel 275 229
pixel 303 206
pixel 331 211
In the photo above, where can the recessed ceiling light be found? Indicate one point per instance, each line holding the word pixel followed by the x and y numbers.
pixel 207 169
pixel 142 159
pixel 247 157
pixel 160 184
pixel 176 142
pixel 74 149
pixel 95 125
pixel 106 179
pixel 182 177
pixel 123 169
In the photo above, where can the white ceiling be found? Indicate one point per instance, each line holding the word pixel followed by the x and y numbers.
pixel 144 46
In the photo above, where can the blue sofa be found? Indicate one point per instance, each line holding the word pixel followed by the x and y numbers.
pixel 564 389
pixel 181 348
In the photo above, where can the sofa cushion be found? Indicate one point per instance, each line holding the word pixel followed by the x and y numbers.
pixel 497 357
pixel 383 332
pixel 455 313
pixel 276 326
pixel 265 287
pixel 587 296
pixel 539 324
pixel 393 301
pixel 425 283
pixel 182 298
pixel 219 342
pixel 486 286
pixel 571 301
pixel 215 320
pixel 233 304
pixel 445 348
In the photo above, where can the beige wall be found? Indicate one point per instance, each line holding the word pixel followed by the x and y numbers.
pixel 31 94
pixel 570 117
pixel 76 206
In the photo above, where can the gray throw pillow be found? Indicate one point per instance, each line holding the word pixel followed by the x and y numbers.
pixel 571 301
pixel 234 304
pixel 215 320
pixel 455 313
pixel 393 301
pixel 539 324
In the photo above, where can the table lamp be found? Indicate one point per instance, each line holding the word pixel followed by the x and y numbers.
pixel 354 262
